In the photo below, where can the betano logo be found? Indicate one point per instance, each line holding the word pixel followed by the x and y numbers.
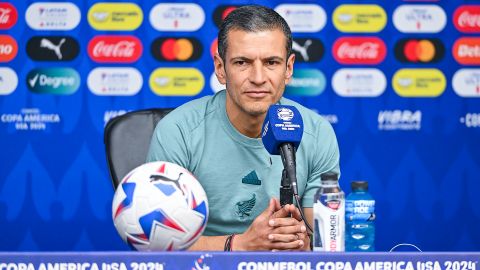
pixel 115 16
pixel 8 80
pixel 466 82
pixel 306 82
pixel 176 49
pixel 359 82
pixel 425 50
pixel 307 18
pixel 419 18
pixel 221 12
pixel 53 16
pixel 176 81
pixel 428 82
pixel 467 18
pixel 60 81
pixel 359 50
pixel 115 49
pixel 8 48
pixel 115 81
pixel 8 16
pixel 359 18
pixel 177 17
pixel 466 51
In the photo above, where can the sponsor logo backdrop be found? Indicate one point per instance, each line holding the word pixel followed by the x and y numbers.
pixel 398 80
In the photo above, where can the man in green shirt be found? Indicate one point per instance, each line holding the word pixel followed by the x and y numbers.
pixel 217 138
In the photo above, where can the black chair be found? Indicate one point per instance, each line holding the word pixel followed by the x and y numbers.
pixel 127 139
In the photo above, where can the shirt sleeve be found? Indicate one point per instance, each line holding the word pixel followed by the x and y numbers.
pixel 325 158
pixel 169 143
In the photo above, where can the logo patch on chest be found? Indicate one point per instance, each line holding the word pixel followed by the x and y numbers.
pixel 244 208
pixel 251 179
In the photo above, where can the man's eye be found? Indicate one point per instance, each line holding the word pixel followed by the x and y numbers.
pixel 272 62
pixel 240 63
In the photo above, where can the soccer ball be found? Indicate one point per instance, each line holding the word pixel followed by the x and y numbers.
pixel 160 206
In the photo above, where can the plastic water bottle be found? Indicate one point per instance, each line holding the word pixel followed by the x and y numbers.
pixel 329 215
pixel 360 218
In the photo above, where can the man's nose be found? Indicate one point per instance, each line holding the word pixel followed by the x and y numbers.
pixel 257 75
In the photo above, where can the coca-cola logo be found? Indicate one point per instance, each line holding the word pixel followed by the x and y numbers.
pixel 8 16
pixel 115 49
pixel 466 51
pixel 467 18
pixel 359 50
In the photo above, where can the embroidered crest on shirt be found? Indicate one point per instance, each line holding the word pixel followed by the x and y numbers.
pixel 244 208
pixel 251 179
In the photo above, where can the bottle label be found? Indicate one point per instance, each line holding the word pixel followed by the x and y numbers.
pixel 360 210
pixel 329 223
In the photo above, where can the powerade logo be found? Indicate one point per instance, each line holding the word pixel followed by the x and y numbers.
pixel 306 82
pixel 59 81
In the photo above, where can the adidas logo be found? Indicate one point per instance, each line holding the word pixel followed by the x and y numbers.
pixel 251 179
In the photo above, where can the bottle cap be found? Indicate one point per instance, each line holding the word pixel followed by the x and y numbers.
pixel 329 176
pixel 359 185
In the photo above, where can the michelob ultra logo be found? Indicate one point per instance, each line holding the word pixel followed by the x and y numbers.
pixel 359 18
pixel 306 82
pixel 467 18
pixel 8 48
pixel 177 17
pixel 59 81
pixel 8 80
pixel 466 51
pixel 53 16
pixel 466 82
pixel 176 81
pixel 303 17
pixel 8 16
pixel 115 16
pixel 359 50
pixel 428 82
pixel 419 18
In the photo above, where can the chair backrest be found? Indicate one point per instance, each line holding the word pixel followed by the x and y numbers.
pixel 127 139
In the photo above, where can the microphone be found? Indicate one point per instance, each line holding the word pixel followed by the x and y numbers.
pixel 282 133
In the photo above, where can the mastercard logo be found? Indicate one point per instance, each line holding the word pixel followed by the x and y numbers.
pixel 419 82
pixel 176 49
pixel 8 48
pixel 221 12
pixel 176 81
pixel 419 50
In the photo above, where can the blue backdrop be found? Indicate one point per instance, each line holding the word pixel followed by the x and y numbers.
pixel 418 147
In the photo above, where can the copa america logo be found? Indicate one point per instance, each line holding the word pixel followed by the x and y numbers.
pixel 284 114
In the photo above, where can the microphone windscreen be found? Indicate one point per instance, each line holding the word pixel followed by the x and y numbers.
pixel 283 124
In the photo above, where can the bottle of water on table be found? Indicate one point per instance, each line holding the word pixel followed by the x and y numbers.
pixel 359 219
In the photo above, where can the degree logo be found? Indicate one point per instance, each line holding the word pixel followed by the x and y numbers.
pixel 177 17
pixel 467 18
pixel 59 81
pixel 359 50
pixel 307 49
pixel 419 82
pixel 8 16
pixel 466 51
pixel 115 16
pixel 8 48
pixel 466 82
pixel 359 18
pixel 306 82
pixel 176 81
pixel 52 48
pixel 419 18
pixel 306 18
pixel 427 50
pixel 221 12
pixel 176 49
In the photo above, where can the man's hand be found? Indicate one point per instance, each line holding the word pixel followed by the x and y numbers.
pixel 276 228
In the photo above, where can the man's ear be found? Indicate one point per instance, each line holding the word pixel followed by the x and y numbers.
pixel 219 69
pixel 289 70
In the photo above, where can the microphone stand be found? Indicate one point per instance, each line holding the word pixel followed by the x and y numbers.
pixel 286 193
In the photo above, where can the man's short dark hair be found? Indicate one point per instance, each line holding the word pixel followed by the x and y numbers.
pixel 253 18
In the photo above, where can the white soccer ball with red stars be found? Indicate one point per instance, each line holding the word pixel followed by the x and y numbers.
pixel 160 206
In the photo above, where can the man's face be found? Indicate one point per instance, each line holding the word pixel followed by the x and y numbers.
pixel 255 71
